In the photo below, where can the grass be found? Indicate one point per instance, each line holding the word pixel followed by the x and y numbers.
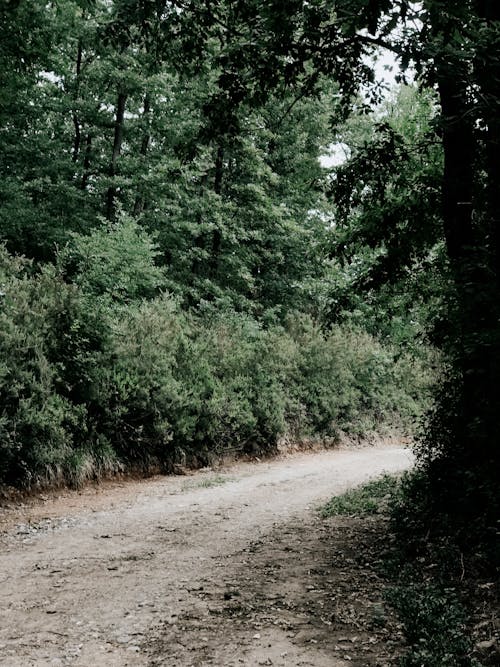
pixel 434 620
pixel 218 480
pixel 428 602
pixel 366 500
pixel 208 483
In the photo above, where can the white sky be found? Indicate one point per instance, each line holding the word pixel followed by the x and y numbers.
pixel 386 70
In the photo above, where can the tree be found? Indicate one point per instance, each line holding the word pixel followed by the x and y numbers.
pixel 387 231
pixel 455 49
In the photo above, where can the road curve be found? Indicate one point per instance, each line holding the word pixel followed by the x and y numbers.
pixel 102 577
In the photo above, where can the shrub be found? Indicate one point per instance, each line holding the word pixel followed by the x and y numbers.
pixel 142 401
pixel 434 621
pixel 93 377
pixel 116 260
pixel 51 342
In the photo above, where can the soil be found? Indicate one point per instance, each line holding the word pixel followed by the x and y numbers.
pixel 223 567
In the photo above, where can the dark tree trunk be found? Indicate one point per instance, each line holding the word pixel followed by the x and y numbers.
pixel 458 145
pixel 117 145
pixel 86 161
pixel 217 232
pixel 488 78
pixel 139 200
pixel 76 121
pixel 474 421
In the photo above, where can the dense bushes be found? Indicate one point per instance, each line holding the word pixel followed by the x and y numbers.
pixel 51 344
pixel 93 379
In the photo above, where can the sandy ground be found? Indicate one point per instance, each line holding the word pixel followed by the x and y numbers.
pixel 227 567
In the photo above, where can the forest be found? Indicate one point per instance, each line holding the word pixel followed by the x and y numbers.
pixel 181 277
pixel 221 231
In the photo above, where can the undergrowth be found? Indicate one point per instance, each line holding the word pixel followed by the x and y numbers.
pixel 423 587
pixel 370 498
pixel 96 379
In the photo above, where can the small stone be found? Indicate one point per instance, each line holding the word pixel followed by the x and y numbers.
pixel 256 635
pixel 123 640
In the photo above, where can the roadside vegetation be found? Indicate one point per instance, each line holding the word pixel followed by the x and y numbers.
pixel 448 611
pixel 171 288
pixel 91 385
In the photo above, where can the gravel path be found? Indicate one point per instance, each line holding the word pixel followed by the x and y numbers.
pixel 218 568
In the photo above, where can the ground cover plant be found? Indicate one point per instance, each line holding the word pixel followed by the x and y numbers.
pixel 447 613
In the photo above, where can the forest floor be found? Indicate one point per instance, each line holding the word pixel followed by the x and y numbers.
pixel 224 567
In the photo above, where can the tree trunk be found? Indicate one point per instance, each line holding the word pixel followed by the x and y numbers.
pixel 488 77
pixel 458 175
pixel 86 161
pixel 139 200
pixel 76 120
pixel 217 232
pixel 474 422
pixel 117 145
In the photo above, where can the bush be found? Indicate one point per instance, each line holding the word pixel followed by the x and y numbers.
pixel 142 401
pixel 94 378
pixel 435 624
pixel 51 343
pixel 116 260
pixel 345 380
pixel 247 407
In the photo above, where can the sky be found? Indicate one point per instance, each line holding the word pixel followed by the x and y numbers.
pixel 386 70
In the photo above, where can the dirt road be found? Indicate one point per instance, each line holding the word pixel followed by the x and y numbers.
pixel 222 568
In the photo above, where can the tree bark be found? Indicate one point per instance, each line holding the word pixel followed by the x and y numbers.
pixel 475 420
pixel 86 161
pixel 76 121
pixel 117 145
pixel 488 77
pixel 458 177
pixel 146 138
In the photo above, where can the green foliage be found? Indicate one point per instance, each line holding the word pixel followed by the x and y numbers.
pixel 51 344
pixel 434 621
pixel 116 260
pixel 388 259
pixel 370 498
pixel 429 566
pixel 423 571
pixel 139 396
pixel 161 170
pixel 349 381
pixel 94 379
